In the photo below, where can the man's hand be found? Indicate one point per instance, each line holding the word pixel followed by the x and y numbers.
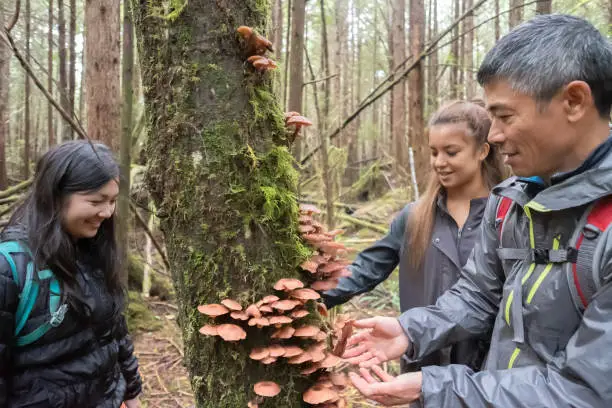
pixel 385 389
pixel 133 403
pixel 384 341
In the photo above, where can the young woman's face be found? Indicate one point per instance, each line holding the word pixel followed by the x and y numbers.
pixel 84 212
pixel 455 156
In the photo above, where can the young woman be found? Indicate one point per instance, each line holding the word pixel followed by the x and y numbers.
pixel 432 238
pixel 63 338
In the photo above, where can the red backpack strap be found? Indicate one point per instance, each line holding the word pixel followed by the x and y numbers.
pixel 502 210
pixel 598 219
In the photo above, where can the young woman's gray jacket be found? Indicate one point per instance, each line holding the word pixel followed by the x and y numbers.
pixel 449 250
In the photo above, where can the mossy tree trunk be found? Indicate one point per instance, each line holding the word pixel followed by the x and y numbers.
pixel 223 182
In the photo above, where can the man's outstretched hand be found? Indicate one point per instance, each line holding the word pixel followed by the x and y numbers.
pixel 383 341
pixel 378 385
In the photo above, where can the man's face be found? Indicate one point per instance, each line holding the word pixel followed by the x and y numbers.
pixel 534 139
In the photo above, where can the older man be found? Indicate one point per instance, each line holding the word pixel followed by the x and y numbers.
pixel 541 275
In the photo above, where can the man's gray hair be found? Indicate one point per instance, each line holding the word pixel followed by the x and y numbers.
pixel 549 51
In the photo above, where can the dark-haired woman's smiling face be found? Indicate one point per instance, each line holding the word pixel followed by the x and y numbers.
pixel 83 213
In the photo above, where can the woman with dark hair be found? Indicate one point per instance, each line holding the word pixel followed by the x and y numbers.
pixel 432 238
pixel 63 338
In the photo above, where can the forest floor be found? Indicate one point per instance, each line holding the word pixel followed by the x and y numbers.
pixel 160 352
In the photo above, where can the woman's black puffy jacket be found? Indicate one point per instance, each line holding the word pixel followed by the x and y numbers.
pixel 85 362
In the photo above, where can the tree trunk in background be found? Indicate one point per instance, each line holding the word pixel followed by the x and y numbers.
pixel 353 129
pixel 126 139
pixel 277 28
pixel 27 99
pixel 287 55
pixel 516 13
pixel 64 130
pixel 102 74
pixel 432 72
pixel 296 61
pixel 50 129
pixel 398 93
pixel 340 96
pixel 468 51
pixel 497 26
pixel 327 184
pixel 5 59
pixel 454 72
pixel 226 188
pixel 72 65
pixel 544 7
pixel 416 133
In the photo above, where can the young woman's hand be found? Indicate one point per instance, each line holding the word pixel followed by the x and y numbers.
pixel 378 385
pixel 133 403
pixel 384 341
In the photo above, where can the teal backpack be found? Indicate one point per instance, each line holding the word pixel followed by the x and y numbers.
pixel 29 293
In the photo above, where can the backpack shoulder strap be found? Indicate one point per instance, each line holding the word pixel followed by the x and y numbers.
pixel 502 210
pixel 29 294
pixel 585 283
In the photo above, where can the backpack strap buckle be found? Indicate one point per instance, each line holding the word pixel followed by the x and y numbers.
pixel 57 317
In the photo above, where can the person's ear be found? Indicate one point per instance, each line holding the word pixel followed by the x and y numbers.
pixel 577 99
pixel 485 148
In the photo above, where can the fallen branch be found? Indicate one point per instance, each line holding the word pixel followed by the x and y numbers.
pixel 15 16
pixel 430 47
pixel 15 189
pixel 144 225
pixel 362 223
pixel 323 202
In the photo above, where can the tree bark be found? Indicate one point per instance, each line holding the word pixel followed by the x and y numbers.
pixel 102 75
pixel 63 79
pixel 353 130
pixel 5 59
pixel 296 61
pixel 398 93
pixel 126 138
pixel 416 132
pixel 432 74
pixel 544 7
pixel 277 28
pixel 329 192
pixel 468 51
pixel 454 72
pixel 497 25
pixel 223 185
pixel 27 92
pixel 516 13
pixel 71 66
pixel 50 129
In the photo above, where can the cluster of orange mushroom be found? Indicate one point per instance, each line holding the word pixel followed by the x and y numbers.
pixel 255 47
pixel 279 315
pixel 328 265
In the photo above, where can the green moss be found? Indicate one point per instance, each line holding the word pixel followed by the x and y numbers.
pixel 175 9
pixel 139 317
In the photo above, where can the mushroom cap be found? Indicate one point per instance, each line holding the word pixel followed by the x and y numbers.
pixel 286 304
pixel 283 333
pixel 266 309
pixel 266 388
pixel 274 320
pixel 239 315
pixel 231 332
pixel 299 313
pixel 245 31
pixel 305 229
pixel 311 369
pixel 332 266
pixel 252 310
pixel 261 63
pixel 292 351
pixel 317 239
pixel 268 360
pixel 288 284
pixel 318 394
pixel 213 310
pixel 254 58
pixel 209 330
pixel 310 266
pixel 259 353
pixel 323 285
pixel 305 294
pixel 276 350
pixel 259 321
pixel 305 219
pixel 339 379
pixel 307 331
pixel 330 361
pixel 317 355
pixel 231 305
pixel 299 121
pixel 307 209
pixel 299 359
pixel 290 114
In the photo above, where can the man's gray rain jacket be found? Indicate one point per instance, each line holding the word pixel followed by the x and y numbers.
pixel 545 352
